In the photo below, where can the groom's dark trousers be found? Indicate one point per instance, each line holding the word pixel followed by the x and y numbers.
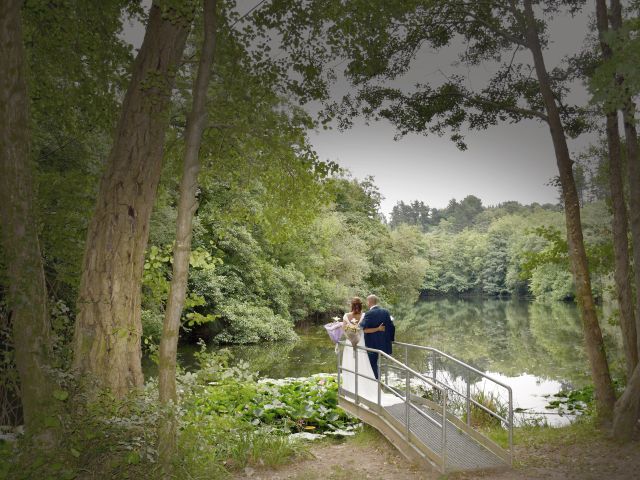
pixel 378 340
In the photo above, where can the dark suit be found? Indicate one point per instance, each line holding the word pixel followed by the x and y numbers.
pixel 378 340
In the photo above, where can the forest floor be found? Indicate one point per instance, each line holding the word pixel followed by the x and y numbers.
pixel 555 454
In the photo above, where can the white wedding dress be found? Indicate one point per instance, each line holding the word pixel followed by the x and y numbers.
pixel 367 384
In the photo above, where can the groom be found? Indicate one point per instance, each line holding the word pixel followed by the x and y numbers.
pixel 384 335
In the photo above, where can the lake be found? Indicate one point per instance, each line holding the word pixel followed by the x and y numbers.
pixel 534 347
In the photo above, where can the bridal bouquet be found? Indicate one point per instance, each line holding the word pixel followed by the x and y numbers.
pixel 352 332
pixel 335 330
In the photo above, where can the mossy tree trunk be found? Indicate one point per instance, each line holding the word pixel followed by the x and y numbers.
pixel 605 396
pixel 27 290
pixel 633 167
pixel 196 122
pixel 108 326
pixel 628 405
pixel 620 223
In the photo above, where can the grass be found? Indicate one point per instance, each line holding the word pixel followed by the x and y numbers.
pixel 580 431
pixel 261 450
pixel 533 436
pixel 366 436
pixel 482 419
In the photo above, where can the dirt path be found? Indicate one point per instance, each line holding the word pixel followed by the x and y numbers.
pixel 346 461
pixel 375 458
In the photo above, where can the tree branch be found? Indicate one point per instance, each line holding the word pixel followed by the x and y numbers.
pixel 513 109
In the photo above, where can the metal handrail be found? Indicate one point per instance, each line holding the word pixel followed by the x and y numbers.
pixel 397 393
pixel 459 362
pixel 402 365
pixel 467 397
pixel 407 395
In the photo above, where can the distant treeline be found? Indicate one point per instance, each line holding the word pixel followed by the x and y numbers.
pixel 508 249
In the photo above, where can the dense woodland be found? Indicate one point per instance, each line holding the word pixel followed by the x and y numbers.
pixel 171 194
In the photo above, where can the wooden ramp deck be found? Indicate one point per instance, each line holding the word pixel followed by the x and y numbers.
pixel 414 424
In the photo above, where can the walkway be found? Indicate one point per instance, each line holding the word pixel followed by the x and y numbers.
pixel 411 404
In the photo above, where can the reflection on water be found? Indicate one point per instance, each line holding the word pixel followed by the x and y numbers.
pixel 312 353
pixel 512 337
pixel 536 348
pixel 531 395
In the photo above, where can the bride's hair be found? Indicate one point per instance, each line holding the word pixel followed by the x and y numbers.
pixel 356 305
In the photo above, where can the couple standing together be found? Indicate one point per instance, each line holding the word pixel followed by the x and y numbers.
pixel 374 329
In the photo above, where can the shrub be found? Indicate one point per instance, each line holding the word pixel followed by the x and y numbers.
pixel 247 323
pixel 226 422
pixel 552 281
pixel 480 418
pixel 151 327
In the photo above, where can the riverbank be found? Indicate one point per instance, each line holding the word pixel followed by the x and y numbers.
pixel 576 452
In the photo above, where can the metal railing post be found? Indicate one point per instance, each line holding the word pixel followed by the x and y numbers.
pixel 406 355
pixel 339 365
pixel 355 373
pixel 386 374
pixel 468 401
pixel 406 402
pixel 444 391
pixel 444 431
pixel 510 427
pixel 380 360
pixel 434 374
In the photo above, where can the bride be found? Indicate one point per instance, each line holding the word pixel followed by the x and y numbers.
pixel 367 385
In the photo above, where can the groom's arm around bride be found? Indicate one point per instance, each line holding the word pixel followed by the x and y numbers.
pixel 382 338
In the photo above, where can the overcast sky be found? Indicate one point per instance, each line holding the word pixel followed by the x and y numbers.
pixel 506 162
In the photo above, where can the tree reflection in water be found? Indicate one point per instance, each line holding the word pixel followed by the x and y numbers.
pixel 535 347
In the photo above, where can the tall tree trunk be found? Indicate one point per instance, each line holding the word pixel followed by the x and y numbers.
pixel 27 289
pixel 626 410
pixel 108 326
pixel 628 405
pixel 633 168
pixel 605 396
pixel 196 122
pixel 620 227
pixel 633 173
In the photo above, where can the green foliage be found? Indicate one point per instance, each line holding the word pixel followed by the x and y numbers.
pixel 227 421
pixel 494 272
pixel 556 252
pixel 604 83
pixel 480 418
pixel 358 198
pixel 573 401
pixel 98 436
pixel 62 324
pixel 377 43
pixel 414 213
pixel 310 405
pixel 156 282
pixel 579 401
pixel 151 327
pixel 244 422
pixel 264 282
pixel 10 406
pixel 247 323
pixel 290 406
pixel 551 281
pixel 77 72
pixel 455 262
pixel 515 250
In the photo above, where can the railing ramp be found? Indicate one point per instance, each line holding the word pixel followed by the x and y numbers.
pixel 423 402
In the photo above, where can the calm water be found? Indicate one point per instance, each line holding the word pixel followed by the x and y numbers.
pixel 536 348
